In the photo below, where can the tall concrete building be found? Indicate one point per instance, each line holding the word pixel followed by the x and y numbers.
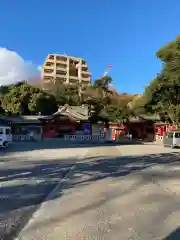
pixel 65 69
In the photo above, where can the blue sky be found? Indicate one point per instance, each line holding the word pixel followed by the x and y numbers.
pixel 124 33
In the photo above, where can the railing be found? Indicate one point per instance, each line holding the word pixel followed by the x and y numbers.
pixel 81 138
pixel 84 138
pixel 24 137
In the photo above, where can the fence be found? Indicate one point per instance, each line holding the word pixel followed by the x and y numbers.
pixel 81 138
pixel 24 137
pixel 84 138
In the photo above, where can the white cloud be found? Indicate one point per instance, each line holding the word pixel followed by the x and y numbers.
pixel 39 68
pixel 13 68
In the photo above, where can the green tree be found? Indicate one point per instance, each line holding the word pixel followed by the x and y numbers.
pixel 64 93
pixel 163 93
pixel 137 105
pixel 102 84
pixel 12 101
pixel 42 103
pixel 118 113
pixel 19 99
pixel 98 96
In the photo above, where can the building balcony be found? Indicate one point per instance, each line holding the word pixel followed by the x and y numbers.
pixel 60 75
pixel 51 56
pixel 50 60
pixel 48 78
pixel 85 79
pixel 77 65
pixel 45 67
pixel 83 72
pixel 84 65
pixel 61 68
pixel 46 74
pixel 73 80
pixel 48 71
pixel 74 77
pixel 61 79
pixel 62 60
pixel 85 83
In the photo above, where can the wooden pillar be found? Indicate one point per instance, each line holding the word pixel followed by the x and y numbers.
pixel 138 132
pixel 73 129
pixel 42 132
pixel 154 132
pixel 104 131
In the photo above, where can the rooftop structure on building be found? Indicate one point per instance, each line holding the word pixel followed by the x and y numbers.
pixel 65 69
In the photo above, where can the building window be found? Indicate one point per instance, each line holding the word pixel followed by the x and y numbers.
pixel 85 83
pixel 1 130
pixel 51 57
pixel 48 78
pixel 48 70
pixel 73 81
pixel 58 65
pixel 49 64
pixel 170 135
pixel 84 69
pixel 177 135
pixel 61 73
pixel 8 131
pixel 85 75
pixel 59 79
pixel 61 58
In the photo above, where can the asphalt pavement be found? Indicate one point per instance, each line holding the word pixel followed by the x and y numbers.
pixel 116 192
pixel 28 173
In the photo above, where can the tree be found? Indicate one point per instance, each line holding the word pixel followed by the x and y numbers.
pixel 102 84
pixel 137 105
pixel 64 93
pixel 107 102
pixel 4 89
pixel 118 113
pixel 42 103
pixel 163 94
pixel 13 102
pixel 98 96
pixel 21 99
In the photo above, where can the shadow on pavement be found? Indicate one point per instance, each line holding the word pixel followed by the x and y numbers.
pixel 98 169
pixel 23 187
pixel 175 235
pixel 58 144
pixel 30 183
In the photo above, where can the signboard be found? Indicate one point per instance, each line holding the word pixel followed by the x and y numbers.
pixel 171 128
pixel 86 128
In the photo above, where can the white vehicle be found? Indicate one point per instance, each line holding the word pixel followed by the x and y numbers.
pixel 172 139
pixel 5 136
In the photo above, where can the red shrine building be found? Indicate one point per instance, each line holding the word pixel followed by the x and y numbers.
pixel 70 120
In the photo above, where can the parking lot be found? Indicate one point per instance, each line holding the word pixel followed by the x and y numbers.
pixel 130 191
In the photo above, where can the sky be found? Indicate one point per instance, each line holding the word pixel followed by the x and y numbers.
pixel 124 33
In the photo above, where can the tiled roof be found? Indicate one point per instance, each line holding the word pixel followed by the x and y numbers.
pixel 21 119
pixel 75 112
pixel 145 118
